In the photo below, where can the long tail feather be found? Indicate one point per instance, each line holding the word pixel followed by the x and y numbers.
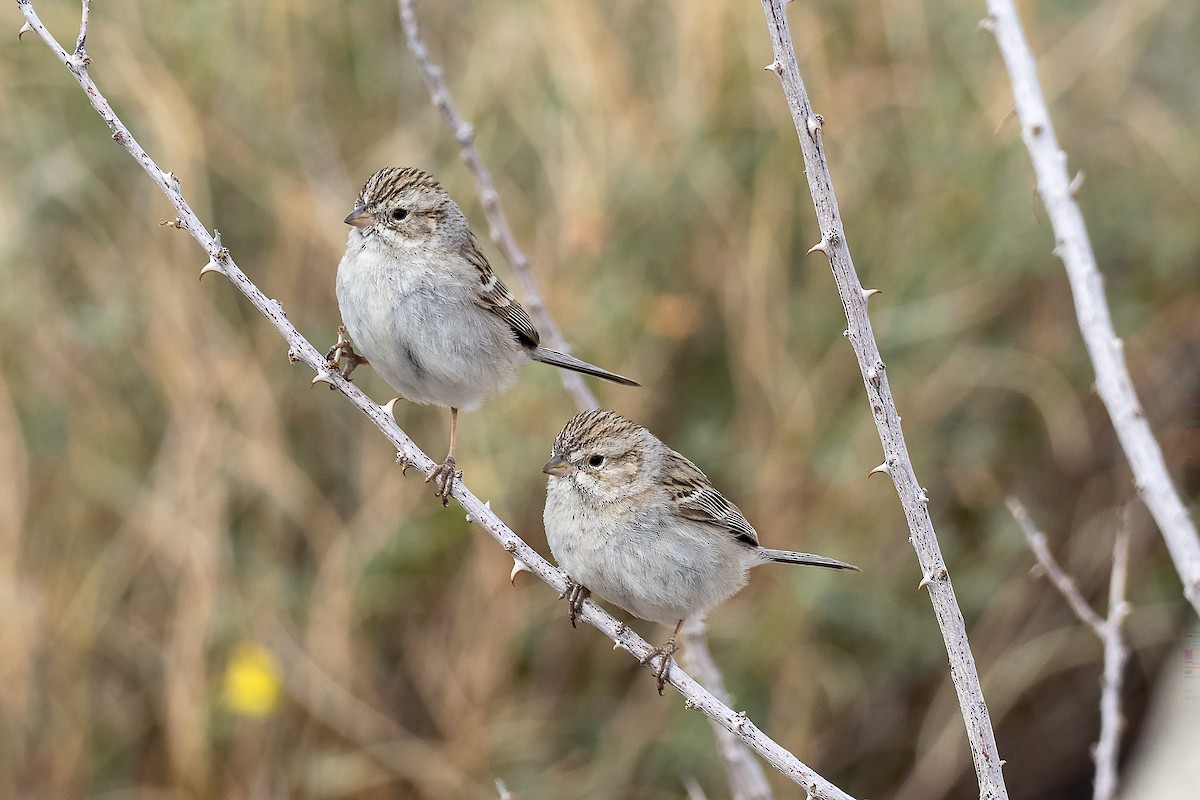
pixel 807 559
pixel 557 359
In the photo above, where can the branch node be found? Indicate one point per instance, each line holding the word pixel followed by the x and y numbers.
pixel 176 223
pixel 739 721
pixel 404 462
pixel 988 24
pixel 815 124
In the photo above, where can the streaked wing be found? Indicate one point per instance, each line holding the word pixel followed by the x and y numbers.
pixel 696 499
pixel 495 296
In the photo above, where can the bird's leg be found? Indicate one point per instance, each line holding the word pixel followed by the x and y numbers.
pixel 343 349
pixel 445 474
pixel 575 594
pixel 666 651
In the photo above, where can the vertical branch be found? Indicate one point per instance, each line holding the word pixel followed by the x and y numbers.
pixel 1115 655
pixel 498 226
pixel 747 781
pixel 1106 351
pixel 897 464
pixel 1108 631
pixel 696 697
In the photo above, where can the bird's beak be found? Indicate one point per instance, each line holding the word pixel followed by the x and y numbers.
pixel 359 217
pixel 557 466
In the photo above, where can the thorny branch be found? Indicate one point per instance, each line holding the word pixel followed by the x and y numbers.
pixel 300 349
pixel 489 198
pixel 897 464
pixel 1107 352
pixel 745 774
pixel 1107 630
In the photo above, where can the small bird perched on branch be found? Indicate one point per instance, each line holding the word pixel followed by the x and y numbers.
pixel 422 304
pixel 635 522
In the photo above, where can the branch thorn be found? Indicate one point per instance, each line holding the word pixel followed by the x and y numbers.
pixel 815 123
pixel 775 67
pixel 884 468
pixel 820 247
pixel 867 293
pixel 211 266
pixel 26 28
pixel 925 581
pixel 323 377
pixel 390 408
pixel 518 567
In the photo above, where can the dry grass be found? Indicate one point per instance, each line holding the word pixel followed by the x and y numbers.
pixel 174 489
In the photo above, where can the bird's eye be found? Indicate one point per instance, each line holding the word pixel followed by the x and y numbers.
pixel 399 214
pixel 596 460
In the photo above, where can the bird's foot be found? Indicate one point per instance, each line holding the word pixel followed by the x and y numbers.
pixel 444 476
pixel 575 594
pixel 664 665
pixel 343 349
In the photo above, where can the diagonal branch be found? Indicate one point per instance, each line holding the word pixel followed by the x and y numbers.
pixel 489 198
pixel 300 349
pixel 1107 352
pixel 896 463
pixel 1107 630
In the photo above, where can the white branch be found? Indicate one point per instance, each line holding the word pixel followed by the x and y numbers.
pixel 747 781
pixel 1106 351
pixel 1107 630
pixel 489 198
pixel 300 349
pixel 897 465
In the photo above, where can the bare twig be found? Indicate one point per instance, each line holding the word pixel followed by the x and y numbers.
pixel 986 757
pixel 502 790
pixel 300 349
pixel 1106 351
pixel 1066 587
pixel 747 781
pixel 498 227
pixel 1107 630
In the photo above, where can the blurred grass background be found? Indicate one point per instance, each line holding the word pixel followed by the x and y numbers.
pixel 175 493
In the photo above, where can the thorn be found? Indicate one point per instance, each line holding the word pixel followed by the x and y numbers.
pixel 390 408
pixel 26 28
pixel 884 468
pixel 925 581
pixel 820 247
pixel 518 568
pixel 775 67
pixel 923 496
pixel 404 463
pixel 866 293
pixel 988 23
pixel 1076 182
pixel 815 123
pixel 176 223
pixel 211 266
pixel 323 377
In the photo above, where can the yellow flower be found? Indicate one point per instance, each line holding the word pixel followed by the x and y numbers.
pixel 251 682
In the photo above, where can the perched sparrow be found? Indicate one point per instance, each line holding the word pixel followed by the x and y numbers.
pixel 421 302
pixel 637 523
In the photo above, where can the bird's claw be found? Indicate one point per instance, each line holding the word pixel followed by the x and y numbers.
pixel 343 349
pixel 664 665
pixel 575 594
pixel 444 476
